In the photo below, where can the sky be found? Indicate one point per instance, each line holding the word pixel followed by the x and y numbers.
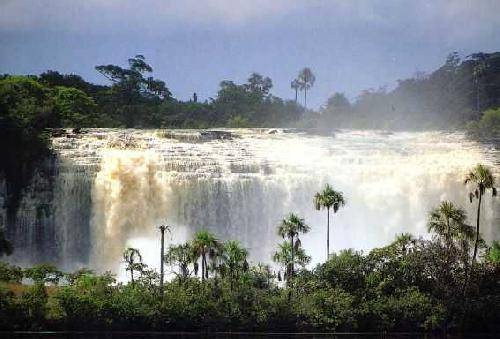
pixel 192 45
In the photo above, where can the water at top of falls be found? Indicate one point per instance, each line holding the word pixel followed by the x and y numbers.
pixel 239 183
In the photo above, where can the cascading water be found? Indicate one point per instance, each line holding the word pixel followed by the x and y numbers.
pixel 111 188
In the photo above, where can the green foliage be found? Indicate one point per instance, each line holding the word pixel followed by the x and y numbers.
pixel 452 96
pixel 74 108
pixel 410 285
pixel 494 253
pixel 44 274
pixel 180 257
pixel 488 126
pixel 327 309
pixel 133 258
pixel 25 110
pixel 34 304
pixel 290 252
pixel 10 273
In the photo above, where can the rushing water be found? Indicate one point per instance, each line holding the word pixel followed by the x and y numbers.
pixel 109 188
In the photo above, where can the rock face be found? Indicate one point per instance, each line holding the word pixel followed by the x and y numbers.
pixel 105 189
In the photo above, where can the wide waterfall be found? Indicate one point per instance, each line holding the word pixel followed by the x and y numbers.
pixel 107 189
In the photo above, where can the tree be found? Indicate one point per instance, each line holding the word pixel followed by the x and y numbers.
pixel 337 109
pixel 133 258
pixel 205 244
pixel 234 260
pixel 482 179
pixel 306 80
pixel 478 71
pixel 5 245
pixel 328 198
pixel 44 273
pixel 74 108
pixel 182 256
pixel 162 228
pixel 290 229
pixel 449 223
pixel 131 87
pixel 494 252
pixel 288 256
pixel 258 84
pixel 295 85
pixel 26 109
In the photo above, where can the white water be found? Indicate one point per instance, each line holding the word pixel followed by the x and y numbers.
pixel 133 180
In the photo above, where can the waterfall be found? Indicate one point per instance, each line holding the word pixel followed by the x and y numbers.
pixel 128 200
pixel 111 188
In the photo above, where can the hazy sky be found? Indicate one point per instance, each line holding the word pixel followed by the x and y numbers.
pixel 193 44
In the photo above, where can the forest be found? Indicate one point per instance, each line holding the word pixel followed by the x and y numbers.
pixel 461 94
pixel 448 283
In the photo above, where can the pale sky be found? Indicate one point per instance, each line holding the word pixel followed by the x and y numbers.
pixel 192 45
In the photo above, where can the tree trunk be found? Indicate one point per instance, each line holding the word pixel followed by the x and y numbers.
pixel 202 266
pixel 206 267
pixel 296 94
pixel 293 258
pixel 327 233
pixel 477 225
pixel 305 97
pixel 477 94
pixel 132 275
pixel 162 254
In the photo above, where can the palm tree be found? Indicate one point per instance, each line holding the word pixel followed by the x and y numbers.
pixel 234 260
pixel 306 81
pixel 404 243
pixel 295 85
pixel 482 179
pixel 328 198
pixel 290 228
pixel 287 256
pixel 133 258
pixel 448 222
pixel 181 255
pixel 205 244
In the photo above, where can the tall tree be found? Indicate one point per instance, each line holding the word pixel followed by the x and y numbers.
pixel 131 86
pixel 449 223
pixel 481 179
pixel 290 229
pixel 162 228
pixel 328 198
pixel 288 256
pixel 306 80
pixel 205 245
pixel 258 84
pixel 478 71
pixel 133 258
pixel 182 256
pixel 234 260
pixel 295 85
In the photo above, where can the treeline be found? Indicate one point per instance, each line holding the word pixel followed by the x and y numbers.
pixel 447 284
pixel 136 99
pixel 453 96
